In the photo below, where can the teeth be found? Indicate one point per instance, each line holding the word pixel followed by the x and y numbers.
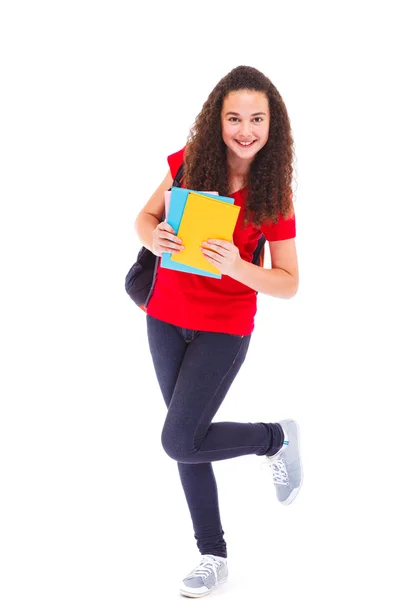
pixel 245 143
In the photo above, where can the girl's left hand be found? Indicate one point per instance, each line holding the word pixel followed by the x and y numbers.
pixel 223 255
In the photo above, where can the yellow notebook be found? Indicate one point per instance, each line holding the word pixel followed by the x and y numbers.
pixel 204 218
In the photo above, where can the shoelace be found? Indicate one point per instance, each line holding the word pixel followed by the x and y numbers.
pixel 208 565
pixel 279 472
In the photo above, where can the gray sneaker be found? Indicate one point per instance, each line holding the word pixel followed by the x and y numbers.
pixel 211 571
pixel 286 466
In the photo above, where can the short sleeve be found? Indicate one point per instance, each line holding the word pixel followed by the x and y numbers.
pixel 284 229
pixel 175 160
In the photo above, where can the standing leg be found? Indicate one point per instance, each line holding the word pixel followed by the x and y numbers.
pixel 168 347
pixel 200 487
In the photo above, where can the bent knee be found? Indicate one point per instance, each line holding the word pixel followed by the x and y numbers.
pixel 176 446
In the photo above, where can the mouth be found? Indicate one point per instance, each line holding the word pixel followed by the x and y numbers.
pixel 245 144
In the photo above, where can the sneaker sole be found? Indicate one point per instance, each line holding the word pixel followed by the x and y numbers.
pixel 194 595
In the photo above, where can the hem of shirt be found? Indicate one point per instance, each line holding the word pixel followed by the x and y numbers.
pixel 199 327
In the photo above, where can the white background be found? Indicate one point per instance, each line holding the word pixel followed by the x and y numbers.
pixel 94 96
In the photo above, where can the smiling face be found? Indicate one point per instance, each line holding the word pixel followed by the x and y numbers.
pixel 245 123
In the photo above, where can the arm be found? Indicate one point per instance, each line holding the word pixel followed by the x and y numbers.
pixel 281 280
pixel 151 214
pixel 157 235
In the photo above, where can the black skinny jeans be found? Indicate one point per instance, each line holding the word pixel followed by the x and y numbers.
pixel 195 370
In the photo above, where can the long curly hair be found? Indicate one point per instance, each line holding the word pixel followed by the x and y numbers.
pixel 270 176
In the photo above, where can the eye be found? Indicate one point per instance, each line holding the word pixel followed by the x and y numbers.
pixel 233 119
pixel 258 119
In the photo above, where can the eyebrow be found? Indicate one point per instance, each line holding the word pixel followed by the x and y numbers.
pixel 238 114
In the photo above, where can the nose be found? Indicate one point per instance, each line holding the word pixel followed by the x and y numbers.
pixel 245 129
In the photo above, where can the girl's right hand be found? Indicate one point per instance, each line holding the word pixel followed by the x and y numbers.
pixel 165 240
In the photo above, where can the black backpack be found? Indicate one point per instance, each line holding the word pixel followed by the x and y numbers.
pixel 140 279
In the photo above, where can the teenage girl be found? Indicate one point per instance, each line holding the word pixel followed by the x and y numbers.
pixel 199 328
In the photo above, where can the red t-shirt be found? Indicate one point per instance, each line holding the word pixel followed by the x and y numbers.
pixel 206 304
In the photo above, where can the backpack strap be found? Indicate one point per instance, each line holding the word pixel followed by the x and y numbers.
pixel 178 177
pixel 258 256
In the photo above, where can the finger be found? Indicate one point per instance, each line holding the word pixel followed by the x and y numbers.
pixel 170 236
pixel 164 226
pixel 219 243
pixel 214 262
pixel 214 248
pixel 212 256
pixel 167 247
pixel 170 250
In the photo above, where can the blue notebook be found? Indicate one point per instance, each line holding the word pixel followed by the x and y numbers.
pixel 175 213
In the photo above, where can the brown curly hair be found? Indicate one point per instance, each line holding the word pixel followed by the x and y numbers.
pixel 270 177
